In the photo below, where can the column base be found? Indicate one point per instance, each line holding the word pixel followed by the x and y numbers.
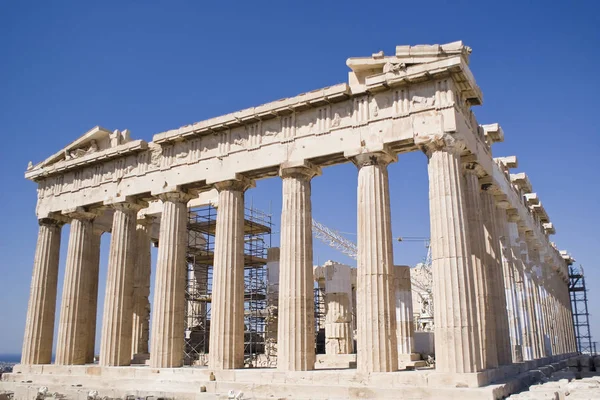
pixel 141 358
pixel 410 361
pixel 403 358
pixel 325 361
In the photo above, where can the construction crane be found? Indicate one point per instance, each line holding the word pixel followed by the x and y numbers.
pixel 423 286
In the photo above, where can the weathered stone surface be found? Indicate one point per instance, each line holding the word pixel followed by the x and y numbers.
pixel 141 288
pixel 296 330
pixel 166 349
pixel 338 320
pixel 457 341
pixel 496 284
pixel 117 323
pixel 483 282
pixel 227 317
pixel 376 318
pixel 39 325
pixel 405 325
pixel 93 288
pixel 71 348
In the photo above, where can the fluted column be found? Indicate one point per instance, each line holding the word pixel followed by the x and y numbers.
pixel 496 276
pixel 376 318
pixel 141 287
pixel 226 346
pixel 296 330
pixel 39 325
pixel 167 340
pixel 485 318
pixel 538 300
pixel 531 305
pixel 405 324
pixel 273 256
pixel 93 288
pixel 547 317
pixel 117 322
pixel 534 298
pixel 523 289
pixel 571 345
pixel 456 332
pixel 338 319
pixel 510 285
pixel 564 302
pixel 554 324
pixel 71 348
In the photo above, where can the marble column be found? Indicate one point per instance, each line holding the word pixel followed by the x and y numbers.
pixel 526 318
pixel 226 346
pixel 376 318
pixel 273 256
pixel 547 319
pixel 484 301
pixel 535 300
pixel 405 324
pixel 531 310
pixel 338 320
pixel 141 287
pixel 296 313
pixel 496 277
pixel 93 288
pixel 71 348
pixel 509 271
pixel 167 339
pixel 117 322
pixel 553 323
pixel 569 334
pixel 562 329
pixel 39 325
pixel 457 338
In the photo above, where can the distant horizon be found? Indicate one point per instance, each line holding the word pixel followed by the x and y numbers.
pixel 11 357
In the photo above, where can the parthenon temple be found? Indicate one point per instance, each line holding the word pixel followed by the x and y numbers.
pixel 500 285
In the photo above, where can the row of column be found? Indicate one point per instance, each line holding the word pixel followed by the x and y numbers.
pixel 493 304
pixel 486 298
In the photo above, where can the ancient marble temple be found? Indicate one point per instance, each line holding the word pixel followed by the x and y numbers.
pixel 499 283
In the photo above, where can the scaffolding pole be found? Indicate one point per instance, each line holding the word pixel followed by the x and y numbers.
pixel 579 308
pixel 200 258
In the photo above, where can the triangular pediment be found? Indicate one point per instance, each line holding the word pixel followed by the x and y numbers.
pixel 95 140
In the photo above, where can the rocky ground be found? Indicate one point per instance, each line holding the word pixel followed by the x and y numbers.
pixel 581 381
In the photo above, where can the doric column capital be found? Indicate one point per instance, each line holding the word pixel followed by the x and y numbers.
pixel 145 220
pixel 471 168
pixel 512 215
pixel 373 155
pixel 445 142
pixel 82 213
pixel 127 206
pixel 299 169
pixel 175 195
pixel 52 222
pixel 239 183
pixel 125 203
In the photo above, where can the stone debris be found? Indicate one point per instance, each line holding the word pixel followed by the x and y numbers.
pixel 580 381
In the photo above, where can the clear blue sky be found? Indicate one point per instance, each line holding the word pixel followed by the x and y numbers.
pixel 152 66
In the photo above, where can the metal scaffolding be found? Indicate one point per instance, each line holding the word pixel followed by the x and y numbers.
pixel 200 258
pixel 320 312
pixel 579 308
